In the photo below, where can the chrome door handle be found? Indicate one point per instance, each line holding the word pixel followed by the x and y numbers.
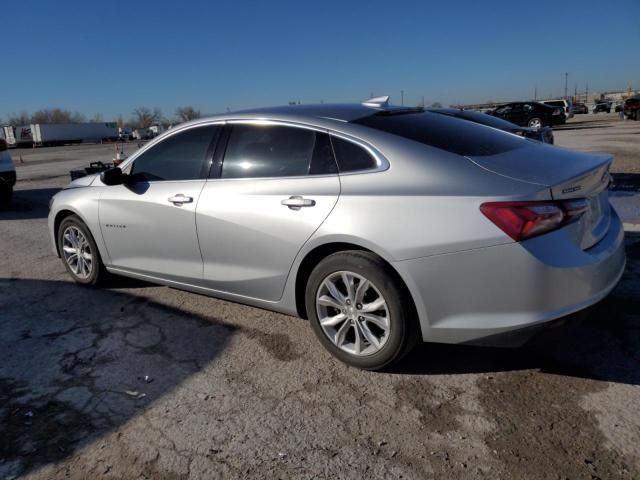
pixel 297 202
pixel 179 199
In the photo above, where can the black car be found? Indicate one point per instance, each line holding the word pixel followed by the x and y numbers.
pixel 580 108
pixel 602 107
pixel 530 114
pixel 543 134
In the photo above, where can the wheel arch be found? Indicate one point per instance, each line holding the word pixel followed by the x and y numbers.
pixel 63 213
pixel 320 252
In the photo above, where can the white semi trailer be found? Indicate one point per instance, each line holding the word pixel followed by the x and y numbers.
pixel 8 134
pixel 61 133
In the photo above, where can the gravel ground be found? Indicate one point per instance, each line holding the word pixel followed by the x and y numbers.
pixel 141 381
pixel 604 132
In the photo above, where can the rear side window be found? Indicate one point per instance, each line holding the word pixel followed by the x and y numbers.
pixel 453 135
pixel 351 157
pixel 555 104
pixel 258 151
pixel 180 157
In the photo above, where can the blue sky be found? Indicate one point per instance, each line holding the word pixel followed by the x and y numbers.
pixel 112 56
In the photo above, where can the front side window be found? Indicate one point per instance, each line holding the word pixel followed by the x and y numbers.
pixel 180 157
pixel 259 151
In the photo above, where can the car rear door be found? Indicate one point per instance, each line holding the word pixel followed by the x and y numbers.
pixel 148 224
pixel 274 186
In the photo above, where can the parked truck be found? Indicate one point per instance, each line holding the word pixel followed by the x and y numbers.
pixel 23 136
pixel 62 133
pixel 142 134
pixel 8 133
pixel 157 129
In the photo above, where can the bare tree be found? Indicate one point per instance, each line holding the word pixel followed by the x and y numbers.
pixel 184 114
pixel 57 115
pixel 143 117
pixel 97 118
pixel 436 105
pixel 120 121
pixel 22 118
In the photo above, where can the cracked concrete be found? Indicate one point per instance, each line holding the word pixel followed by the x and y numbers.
pixel 141 381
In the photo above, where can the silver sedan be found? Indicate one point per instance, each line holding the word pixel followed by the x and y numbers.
pixel 384 226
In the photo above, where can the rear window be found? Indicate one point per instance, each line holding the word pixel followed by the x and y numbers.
pixel 446 133
pixel 481 118
pixel 558 103
pixel 351 157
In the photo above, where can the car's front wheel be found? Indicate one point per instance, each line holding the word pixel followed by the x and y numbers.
pixel 79 252
pixel 535 123
pixel 358 310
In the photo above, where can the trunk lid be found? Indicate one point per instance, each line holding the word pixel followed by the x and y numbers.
pixel 568 174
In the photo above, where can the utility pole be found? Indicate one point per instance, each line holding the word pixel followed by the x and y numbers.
pixel 423 105
pixel 586 94
pixel 402 97
pixel 566 79
pixel 575 92
pixel 535 93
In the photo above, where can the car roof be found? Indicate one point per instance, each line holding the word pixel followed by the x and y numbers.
pixel 342 112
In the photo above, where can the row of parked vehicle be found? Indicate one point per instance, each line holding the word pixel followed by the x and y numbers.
pixel 548 113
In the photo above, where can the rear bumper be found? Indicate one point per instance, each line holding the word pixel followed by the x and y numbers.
pixel 472 295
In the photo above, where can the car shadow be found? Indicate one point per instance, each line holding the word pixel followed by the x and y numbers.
pixel 28 204
pixel 76 363
pixel 625 182
pixel 603 345
pixel 573 126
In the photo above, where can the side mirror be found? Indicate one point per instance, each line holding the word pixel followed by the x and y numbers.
pixel 113 176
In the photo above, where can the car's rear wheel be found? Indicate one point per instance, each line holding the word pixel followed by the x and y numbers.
pixel 79 252
pixel 535 123
pixel 359 312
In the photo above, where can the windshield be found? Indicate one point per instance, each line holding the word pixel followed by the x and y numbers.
pixel 445 132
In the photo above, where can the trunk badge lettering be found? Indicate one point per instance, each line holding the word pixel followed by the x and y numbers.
pixel 572 189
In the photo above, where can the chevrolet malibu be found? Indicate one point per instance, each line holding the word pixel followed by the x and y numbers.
pixel 383 226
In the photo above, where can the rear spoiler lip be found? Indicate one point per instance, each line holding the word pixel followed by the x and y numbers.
pixel 574 164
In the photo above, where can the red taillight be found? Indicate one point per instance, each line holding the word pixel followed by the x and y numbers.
pixel 522 220
pixel 3 145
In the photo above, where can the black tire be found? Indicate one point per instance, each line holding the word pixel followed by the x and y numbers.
pixel 6 194
pixel 98 272
pixel 404 331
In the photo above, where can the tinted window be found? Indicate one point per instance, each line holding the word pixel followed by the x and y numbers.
pixel 440 131
pixel 179 157
pixel 351 157
pixel 276 151
pixel 558 103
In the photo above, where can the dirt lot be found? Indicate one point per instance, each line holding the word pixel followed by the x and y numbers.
pixel 141 381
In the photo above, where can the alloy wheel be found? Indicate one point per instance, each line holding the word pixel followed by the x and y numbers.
pixel 535 123
pixel 77 252
pixel 352 313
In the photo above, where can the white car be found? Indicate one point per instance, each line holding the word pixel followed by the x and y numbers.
pixel 566 105
pixel 7 174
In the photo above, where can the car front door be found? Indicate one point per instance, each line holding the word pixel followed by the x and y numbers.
pixel 148 223
pixel 276 185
